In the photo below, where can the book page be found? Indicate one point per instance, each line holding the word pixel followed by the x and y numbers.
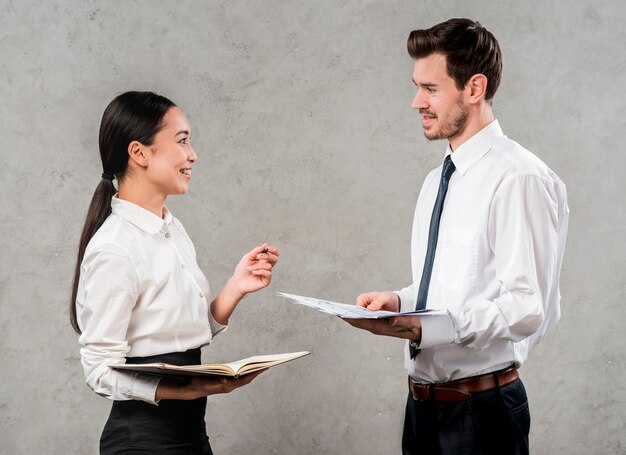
pixel 259 362
pixel 236 368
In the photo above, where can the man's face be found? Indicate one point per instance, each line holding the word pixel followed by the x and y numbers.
pixel 438 100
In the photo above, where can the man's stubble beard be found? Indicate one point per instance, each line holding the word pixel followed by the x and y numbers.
pixel 452 126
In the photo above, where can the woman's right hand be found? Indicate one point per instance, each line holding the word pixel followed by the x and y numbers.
pixel 254 271
pixel 201 387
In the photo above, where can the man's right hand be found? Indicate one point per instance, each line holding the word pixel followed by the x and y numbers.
pixel 374 301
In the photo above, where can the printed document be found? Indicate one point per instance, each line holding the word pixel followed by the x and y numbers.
pixel 353 311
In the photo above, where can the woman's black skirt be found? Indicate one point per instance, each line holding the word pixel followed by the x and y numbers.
pixel 173 427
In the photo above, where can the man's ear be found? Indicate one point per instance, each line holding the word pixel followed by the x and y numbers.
pixel 476 88
pixel 138 153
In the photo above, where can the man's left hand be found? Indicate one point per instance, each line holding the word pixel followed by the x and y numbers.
pixel 406 327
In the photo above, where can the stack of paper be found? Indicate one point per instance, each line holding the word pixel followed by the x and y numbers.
pixel 353 311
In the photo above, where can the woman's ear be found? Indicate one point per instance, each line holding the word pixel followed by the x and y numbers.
pixel 138 153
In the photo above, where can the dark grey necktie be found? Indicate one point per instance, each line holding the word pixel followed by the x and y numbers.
pixel 422 295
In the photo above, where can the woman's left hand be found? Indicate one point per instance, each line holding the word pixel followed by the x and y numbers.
pixel 254 271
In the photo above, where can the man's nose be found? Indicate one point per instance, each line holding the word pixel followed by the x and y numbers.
pixel 419 102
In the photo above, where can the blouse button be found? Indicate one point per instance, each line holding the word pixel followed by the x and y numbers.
pixel 167 235
pixel 182 265
pixel 201 295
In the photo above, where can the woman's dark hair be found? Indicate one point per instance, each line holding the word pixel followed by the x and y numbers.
pixel 469 49
pixel 132 116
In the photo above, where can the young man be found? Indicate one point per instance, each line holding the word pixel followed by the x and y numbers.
pixel 487 246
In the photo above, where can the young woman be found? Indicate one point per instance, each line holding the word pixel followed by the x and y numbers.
pixel 138 294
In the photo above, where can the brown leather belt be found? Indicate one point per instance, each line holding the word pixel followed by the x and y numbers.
pixel 462 389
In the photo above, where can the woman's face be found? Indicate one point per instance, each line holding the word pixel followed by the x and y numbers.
pixel 171 155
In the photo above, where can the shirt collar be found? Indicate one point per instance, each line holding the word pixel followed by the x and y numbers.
pixel 140 217
pixel 475 147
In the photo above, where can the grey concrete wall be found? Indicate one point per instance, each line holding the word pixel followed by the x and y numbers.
pixel 306 139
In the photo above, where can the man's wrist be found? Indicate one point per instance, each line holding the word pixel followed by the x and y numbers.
pixel 416 341
pixel 398 301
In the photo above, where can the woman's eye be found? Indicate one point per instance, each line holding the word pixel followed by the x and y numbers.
pixel 183 140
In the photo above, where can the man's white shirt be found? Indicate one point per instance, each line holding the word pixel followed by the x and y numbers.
pixel 497 262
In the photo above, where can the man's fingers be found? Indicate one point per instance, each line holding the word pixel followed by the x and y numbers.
pixel 363 300
pixel 375 301
pixel 366 299
pixel 376 305
pixel 366 324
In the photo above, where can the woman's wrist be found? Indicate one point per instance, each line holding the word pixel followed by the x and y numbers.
pixel 170 390
pixel 232 292
pixel 226 302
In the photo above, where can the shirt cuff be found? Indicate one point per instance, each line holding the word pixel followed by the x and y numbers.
pixel 407 299
pixel 216 327
pixel 144 388
pixel 437 330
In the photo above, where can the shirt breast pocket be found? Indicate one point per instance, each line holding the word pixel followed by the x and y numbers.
pixel 456 258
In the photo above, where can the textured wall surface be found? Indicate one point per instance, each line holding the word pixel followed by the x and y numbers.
pixel 302 122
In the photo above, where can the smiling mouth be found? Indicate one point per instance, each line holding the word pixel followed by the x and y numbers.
pixel 186 172
pixel 426 119
pixel 427 116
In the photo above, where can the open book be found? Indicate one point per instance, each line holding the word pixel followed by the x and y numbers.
pixel 233 369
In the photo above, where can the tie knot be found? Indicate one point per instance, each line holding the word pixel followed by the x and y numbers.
pixel 448 168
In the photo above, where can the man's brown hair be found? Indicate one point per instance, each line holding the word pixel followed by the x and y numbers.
pixel 469 49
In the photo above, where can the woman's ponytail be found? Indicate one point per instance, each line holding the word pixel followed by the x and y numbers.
pixel 99 210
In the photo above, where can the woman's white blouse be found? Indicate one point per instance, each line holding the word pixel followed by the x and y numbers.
pixel 140 293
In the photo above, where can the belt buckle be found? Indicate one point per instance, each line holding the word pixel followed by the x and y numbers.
pixel 414 385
